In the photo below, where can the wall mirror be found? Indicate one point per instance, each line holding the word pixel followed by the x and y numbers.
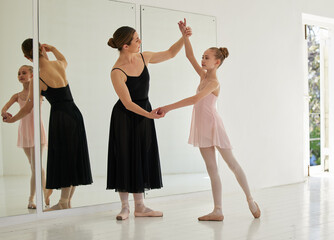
pixel 15 172
pixel 80 30
pixel 182 166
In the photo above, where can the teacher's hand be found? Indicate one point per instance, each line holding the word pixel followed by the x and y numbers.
pixel 155 115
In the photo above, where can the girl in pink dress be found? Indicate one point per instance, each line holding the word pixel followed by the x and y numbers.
pixel 207 130
pixel 25 138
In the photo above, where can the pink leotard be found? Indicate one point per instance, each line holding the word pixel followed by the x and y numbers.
pixel 26 130
pixel 207 127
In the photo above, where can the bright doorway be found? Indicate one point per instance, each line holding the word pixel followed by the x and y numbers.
pixel 319 92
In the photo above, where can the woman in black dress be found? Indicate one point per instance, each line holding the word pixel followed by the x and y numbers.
pixel 68 160
pixel 133 157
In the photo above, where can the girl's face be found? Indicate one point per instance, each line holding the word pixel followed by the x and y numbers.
pixel 134 46
pixel 24 75
pixel 209 60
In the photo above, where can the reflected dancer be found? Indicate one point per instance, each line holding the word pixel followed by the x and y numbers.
pixel 68 160
pixel 26 132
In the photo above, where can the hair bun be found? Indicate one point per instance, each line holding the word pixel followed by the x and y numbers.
pixel 224 52
pixel 111 43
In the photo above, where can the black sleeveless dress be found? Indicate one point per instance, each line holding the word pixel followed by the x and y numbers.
pixel 133 156
pixel 68 160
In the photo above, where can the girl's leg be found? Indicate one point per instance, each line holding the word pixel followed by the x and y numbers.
pixel 141 210
pixel 47 192
pixel 209 157
pixel 124 213
pixel 241 178
pixel 31 157
pixel 63 202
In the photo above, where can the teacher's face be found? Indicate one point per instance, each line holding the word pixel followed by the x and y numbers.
pixel 135 43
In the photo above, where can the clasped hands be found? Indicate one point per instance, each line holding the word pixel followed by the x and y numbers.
pixel 6 117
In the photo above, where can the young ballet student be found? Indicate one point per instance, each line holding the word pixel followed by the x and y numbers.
pixel 25 138
pixel 133 156
pixel 68 162
pixel 207 130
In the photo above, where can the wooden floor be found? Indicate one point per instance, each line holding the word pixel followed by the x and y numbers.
pixel 297 211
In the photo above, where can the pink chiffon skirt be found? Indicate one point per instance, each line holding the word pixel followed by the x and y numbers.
pixel 207 127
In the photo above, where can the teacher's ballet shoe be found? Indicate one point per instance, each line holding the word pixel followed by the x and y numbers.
pixel 123 215
pixel 211 217
pixel 149 214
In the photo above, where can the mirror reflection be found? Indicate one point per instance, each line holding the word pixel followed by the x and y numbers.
pixel 82 38
pixel 17 175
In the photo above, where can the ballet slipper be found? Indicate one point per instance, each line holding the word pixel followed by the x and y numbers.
pixel 124 214
pixel 31 205
pixel 257 213
pixel 58 206
pixel 211 217
pixel 149 214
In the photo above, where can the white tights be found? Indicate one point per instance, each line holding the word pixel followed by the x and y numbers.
pixel 209 156
pixel 30 153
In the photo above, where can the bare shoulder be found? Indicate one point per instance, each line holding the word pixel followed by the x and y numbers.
pixel 147 56
pixel 15 96
pixel 117 74
pixel 213 83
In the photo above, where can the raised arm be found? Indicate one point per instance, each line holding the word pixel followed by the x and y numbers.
pixel 25 110
pixel 188 48
pixel 58 55
pixel 118 81
pixel 209 88
pixel 5 108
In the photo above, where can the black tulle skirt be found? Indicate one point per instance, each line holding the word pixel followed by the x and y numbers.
pixel 133 156
pixel 68 159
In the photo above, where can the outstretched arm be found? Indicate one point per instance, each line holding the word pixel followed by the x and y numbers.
pixel 25 110
pixel 58 55
pixel 157 57
pixel 118 81
pixel 209 88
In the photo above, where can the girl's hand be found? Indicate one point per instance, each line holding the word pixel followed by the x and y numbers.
pixel 161 110
pixel 154 115
pixel 188 32
pixel 182 26
pixel 6 115
pixel 7 118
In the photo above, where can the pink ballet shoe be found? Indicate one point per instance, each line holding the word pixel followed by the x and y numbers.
pixel 149 214
pixel 122 216
pixel 211 217
pixel 257 213
pixel 31 205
